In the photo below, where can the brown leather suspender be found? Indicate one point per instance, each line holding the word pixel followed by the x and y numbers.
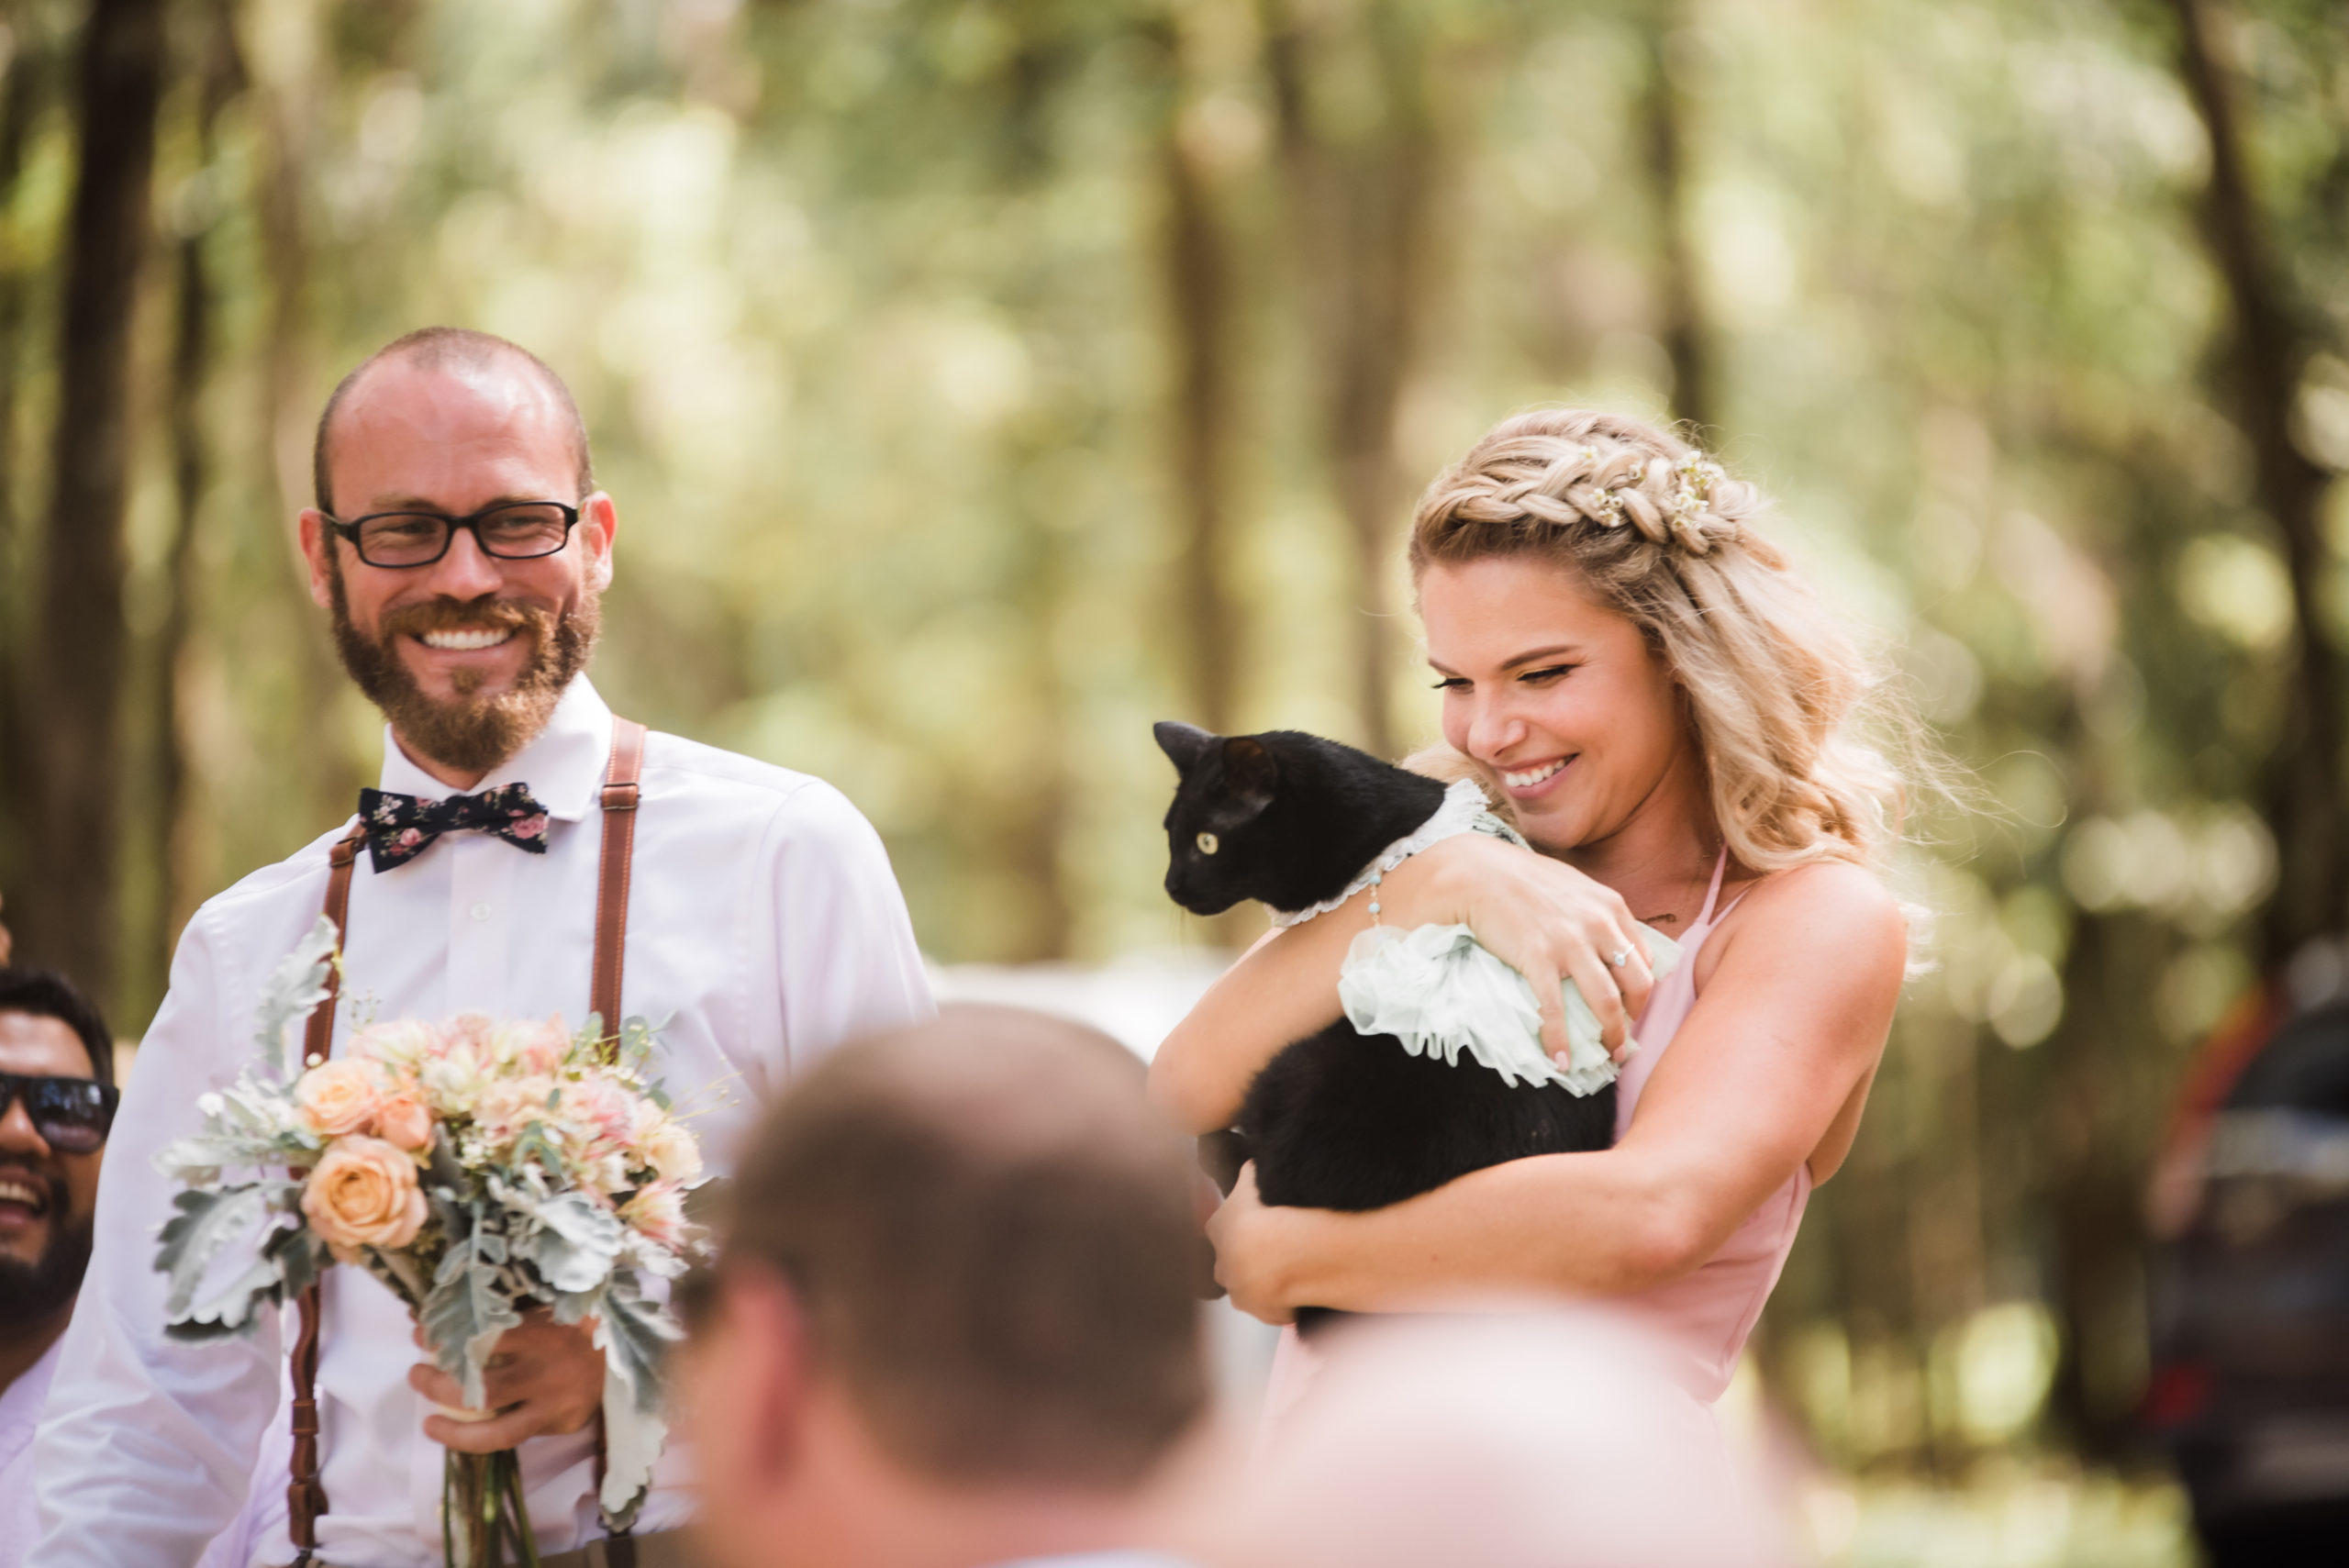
pixel 306 1493
pixel 611 873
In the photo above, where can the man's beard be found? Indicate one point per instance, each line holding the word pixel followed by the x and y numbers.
pixel 33 1293
pixel 469 734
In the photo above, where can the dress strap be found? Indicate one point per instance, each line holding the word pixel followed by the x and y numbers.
pixel 1714 891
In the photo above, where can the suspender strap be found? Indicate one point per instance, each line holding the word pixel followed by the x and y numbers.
pixel 306 1493
pixel 317 1038
pixel 611 877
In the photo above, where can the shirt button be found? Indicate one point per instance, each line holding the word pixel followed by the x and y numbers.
pixel 481 911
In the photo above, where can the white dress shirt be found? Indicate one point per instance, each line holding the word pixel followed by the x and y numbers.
pixel 763 925
pixel 21 1407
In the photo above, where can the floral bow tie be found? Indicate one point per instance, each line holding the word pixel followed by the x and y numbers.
pixel 400 827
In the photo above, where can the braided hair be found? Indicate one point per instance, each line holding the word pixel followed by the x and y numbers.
pixel 1654 529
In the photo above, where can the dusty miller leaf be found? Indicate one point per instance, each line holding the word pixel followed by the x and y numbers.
pixel 466 1310
pixel 297 984
pixel 206 1222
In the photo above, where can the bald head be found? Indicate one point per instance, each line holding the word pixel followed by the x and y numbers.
pixel 493 370
pixel 989 1230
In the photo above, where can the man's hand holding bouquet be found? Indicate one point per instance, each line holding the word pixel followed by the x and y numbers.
pixel 482 1170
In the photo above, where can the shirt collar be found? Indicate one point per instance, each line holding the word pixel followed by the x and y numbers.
pixel 563 764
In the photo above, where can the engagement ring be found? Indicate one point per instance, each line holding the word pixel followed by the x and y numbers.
pixel 1619 958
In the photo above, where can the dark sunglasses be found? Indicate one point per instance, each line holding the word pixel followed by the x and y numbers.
pixel 71 1115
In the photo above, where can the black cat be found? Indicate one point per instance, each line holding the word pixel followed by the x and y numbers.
pixel 1341 1119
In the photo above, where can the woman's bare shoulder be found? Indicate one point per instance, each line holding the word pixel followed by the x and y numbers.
pixel 1827 905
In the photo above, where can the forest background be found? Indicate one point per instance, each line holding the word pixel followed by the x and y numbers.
pixel 981 382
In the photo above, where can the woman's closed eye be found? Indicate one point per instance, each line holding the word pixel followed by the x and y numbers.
pixel 1547 673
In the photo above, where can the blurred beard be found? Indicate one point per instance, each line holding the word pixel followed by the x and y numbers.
pixel 468 734
pixel 33 1293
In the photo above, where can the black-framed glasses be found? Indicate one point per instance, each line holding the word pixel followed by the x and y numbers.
pixel 71 1115
pixel 513 530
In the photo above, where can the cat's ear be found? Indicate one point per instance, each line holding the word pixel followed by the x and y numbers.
pixel 1184 744
pixel 1253 774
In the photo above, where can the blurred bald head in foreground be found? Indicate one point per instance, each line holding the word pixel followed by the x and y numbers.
pixel 953 1323
pixel 1549 1437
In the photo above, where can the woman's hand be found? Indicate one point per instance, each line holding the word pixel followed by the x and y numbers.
pixel 1249 1251
pixel 1542 917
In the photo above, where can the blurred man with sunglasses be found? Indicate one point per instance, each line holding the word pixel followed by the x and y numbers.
pixel 57 1101
pixel 528 851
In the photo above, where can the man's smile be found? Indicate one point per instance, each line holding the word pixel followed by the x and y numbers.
pixel 26 1201
pixel 460 640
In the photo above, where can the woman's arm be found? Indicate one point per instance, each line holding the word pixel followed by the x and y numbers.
pixel 1540 916
pixel 1798 998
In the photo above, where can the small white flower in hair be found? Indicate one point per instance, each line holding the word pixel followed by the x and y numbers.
pixel 1693 477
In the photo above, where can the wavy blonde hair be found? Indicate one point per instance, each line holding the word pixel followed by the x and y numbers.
pixel 1661 534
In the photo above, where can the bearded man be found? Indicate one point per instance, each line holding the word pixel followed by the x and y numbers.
pixel 460 548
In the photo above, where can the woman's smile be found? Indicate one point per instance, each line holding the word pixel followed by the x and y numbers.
pixel 1528 783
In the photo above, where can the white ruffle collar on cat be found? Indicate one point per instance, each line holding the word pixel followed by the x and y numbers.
pixel 1439 992
pixel 1465 810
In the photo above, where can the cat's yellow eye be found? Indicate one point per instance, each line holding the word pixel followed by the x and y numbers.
pixel 1209 843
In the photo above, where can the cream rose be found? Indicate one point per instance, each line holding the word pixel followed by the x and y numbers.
pixel 542 1047
pixel 399 1045
pixel 364 1192
pixel 403 1122
pixel 672 1152
pixel 340 1097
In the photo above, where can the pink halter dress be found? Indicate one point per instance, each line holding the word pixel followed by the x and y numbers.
pixel 1703 1317
pixel 1706 1316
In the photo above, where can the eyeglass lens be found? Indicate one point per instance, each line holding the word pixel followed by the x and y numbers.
pixel 412 538
pixel 71 1115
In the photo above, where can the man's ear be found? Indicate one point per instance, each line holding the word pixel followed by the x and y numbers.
pixel 600 524
pixel 769 1361
pixel 1183 743
pixel 318 548
pixel 1253 773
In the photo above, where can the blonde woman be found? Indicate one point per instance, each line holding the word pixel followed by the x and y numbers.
pixel 1632 668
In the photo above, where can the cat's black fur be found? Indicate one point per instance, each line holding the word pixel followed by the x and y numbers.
pixel 1341 1119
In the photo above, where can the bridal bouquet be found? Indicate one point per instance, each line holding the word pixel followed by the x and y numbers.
pixel 479 1168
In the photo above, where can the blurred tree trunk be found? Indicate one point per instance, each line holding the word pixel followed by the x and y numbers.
pixel 80 650
pixel 1199 292
pixel 219 73
pixel 1361 191
pixel 20 96
pixel 284 105
pixel 2091 1135
pixel 1664 115
pixel 2267 353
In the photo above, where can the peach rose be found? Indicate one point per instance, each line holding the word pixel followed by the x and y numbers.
pixel 364 1192
pixel 340 1097
pixel 403 1122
